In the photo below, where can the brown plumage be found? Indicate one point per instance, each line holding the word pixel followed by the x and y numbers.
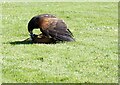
pixel 51 27
pixel 33 23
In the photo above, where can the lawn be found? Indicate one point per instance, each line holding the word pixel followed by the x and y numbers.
pixel 92 58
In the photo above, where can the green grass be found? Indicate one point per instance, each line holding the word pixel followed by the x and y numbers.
pixel 93 58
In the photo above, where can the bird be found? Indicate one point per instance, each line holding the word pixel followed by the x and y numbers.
pixel 51 27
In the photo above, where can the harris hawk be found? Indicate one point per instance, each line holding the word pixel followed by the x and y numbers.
pixel 52 28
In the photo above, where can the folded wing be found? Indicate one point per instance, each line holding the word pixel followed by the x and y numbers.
pixel 55 28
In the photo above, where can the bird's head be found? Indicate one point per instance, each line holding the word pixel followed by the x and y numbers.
pixel 33 36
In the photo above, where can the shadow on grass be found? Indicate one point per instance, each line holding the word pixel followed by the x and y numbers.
pixel 26 41
pixel 20 42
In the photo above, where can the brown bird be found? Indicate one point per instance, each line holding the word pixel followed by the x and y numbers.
pixel 51 27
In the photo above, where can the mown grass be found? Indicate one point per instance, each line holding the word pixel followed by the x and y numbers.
pixel 93 58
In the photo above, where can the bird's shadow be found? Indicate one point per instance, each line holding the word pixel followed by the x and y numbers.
pixel 20 42
pixel 26 41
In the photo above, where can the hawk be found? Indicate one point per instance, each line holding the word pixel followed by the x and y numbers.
pixel 51 27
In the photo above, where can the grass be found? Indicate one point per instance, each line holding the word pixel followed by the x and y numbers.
pixel 93 58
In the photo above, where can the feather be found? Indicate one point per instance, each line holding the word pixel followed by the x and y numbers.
pixel 33 23
pixel 56 28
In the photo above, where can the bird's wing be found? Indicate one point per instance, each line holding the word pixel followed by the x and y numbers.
pixel 56 28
